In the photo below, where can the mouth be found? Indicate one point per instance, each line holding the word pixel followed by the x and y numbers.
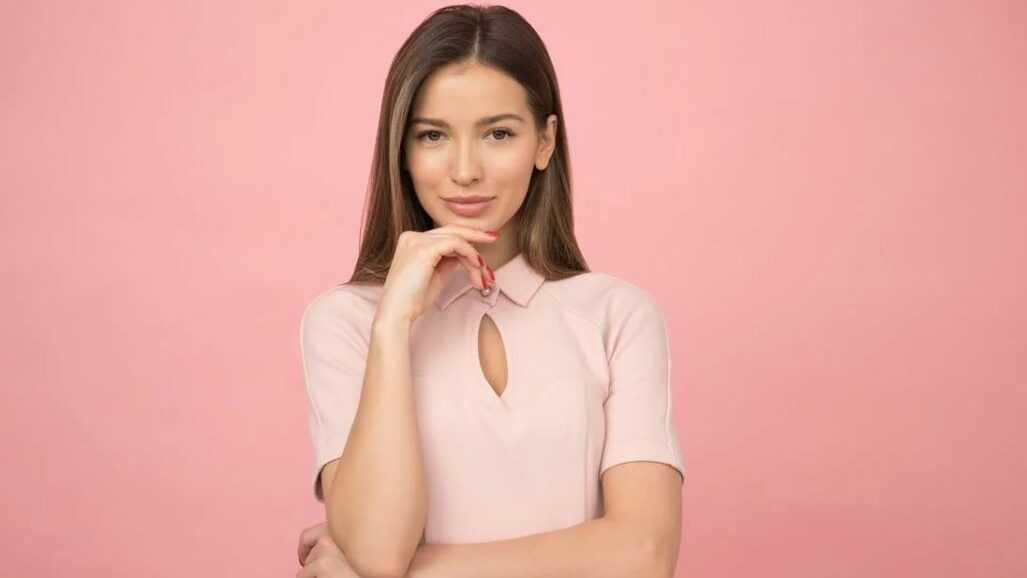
pixel 470 206
pixel 467 199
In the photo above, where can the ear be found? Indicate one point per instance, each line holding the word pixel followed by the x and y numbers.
pixel 546 144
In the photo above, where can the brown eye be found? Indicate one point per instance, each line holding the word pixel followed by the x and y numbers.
pixel 506 134
pixel 422 134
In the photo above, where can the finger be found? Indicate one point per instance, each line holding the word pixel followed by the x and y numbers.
pixel 454 244
pixel 468 262
pixel 308 537
pixel 451 248
pixel 315 553
pixel 472 234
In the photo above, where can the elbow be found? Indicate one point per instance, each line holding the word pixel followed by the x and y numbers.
pixel 374 561
pixel 378 568
pixel 369 558
pixel 658 560
pixel 371 561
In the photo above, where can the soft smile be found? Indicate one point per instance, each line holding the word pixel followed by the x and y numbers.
pixel 469 206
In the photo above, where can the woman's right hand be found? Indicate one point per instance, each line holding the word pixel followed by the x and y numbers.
pixel 423 264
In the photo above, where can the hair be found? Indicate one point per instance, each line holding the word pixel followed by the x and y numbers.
pixel 498 37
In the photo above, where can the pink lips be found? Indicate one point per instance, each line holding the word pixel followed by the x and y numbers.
pixel 468 206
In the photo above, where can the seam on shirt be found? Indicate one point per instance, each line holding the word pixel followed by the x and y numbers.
pixel 588 425
pixel 670 414
pixel 595 324
pixel 645 295
pixel 585 458
pixel 668 387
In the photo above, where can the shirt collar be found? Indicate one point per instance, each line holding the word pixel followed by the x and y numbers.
pixel 516 279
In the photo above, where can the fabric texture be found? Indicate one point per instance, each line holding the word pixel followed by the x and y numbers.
pixel 588 387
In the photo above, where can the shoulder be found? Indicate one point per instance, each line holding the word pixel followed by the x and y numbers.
pixel 345 307
pixel 604 298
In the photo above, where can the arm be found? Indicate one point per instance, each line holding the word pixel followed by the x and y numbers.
pixel 638 537
pixel 375 494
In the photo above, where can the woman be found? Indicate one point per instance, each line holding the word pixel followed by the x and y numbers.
pixel 480 402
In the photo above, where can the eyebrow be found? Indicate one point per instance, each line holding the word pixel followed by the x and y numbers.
pixel 482 122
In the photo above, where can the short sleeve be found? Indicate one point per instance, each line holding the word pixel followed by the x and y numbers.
pixel 639 406
pixel 333 346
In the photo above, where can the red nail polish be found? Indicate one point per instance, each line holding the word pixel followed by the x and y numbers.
pixel 493 233
pixel 484 283
pixel 481 261
pixel 491 274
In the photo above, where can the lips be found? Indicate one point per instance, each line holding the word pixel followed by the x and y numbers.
pixel 468 199
pixel 470 206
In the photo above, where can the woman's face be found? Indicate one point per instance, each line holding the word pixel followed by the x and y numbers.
pixel 471 133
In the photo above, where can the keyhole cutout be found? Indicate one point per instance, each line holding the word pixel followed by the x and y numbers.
pixel 492 354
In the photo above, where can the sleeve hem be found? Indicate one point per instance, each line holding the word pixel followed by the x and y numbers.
pixel 323 454
pixel 656 450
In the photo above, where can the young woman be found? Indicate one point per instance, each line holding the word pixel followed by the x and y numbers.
pixel 481 404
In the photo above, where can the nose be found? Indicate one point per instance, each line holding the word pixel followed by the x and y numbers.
pixel 466 167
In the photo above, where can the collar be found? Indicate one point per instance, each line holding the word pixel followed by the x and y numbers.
pixel 516 279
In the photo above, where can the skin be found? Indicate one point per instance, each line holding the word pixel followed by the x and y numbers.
pixel 640 531
pixel 465 159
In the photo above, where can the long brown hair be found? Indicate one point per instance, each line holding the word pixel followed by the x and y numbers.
pixel 501 38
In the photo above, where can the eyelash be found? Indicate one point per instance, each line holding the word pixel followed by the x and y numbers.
pixel 509 134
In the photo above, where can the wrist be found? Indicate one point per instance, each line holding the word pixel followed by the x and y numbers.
pixel 389 324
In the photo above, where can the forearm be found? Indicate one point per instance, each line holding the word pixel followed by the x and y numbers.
pixel 599 548
pixel 378 501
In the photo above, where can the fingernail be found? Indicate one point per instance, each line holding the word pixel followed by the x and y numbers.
pixel 481 262
pixel 484 283
pixel 491 274
pixel 493 233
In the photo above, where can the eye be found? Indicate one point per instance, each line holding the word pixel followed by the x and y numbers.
pixel 507 134
pixel 425 135
pixel 422 134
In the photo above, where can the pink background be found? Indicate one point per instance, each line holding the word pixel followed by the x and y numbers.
pixel 829 199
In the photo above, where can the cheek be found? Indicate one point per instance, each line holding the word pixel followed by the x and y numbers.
pixel 512 166
pixel 426 168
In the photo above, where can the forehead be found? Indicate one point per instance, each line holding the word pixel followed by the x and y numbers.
pixel 463 93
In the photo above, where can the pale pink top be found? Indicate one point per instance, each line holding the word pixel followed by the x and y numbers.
pixel 588 387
